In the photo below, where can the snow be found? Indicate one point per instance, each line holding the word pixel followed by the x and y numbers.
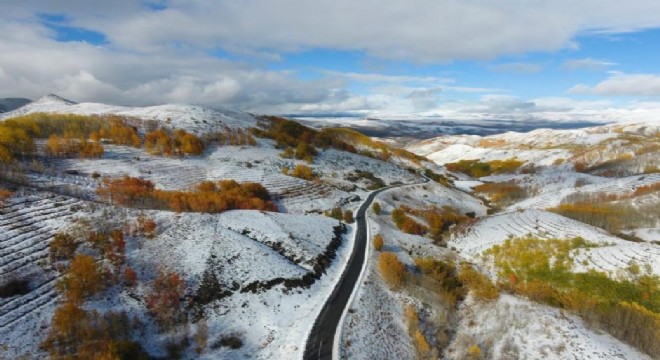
pixel 619 186
pixel 516 328
pixel 613 256
pixel 196 119
pixel 249 246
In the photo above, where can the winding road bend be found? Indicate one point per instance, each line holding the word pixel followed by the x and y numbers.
pixel 321 339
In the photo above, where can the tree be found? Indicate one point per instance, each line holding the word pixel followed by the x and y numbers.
pixel 130 277
pixel 62 247
pixel 83 279
pixel 202 336
pixel 348 216
pixel 376 207
pixel 392 269
pixel 4 195
pixel 378 242
pixel 164 300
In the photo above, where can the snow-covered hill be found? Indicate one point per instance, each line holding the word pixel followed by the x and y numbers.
pixel 193 118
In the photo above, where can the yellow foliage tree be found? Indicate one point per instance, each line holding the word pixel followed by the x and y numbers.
pixel 392 269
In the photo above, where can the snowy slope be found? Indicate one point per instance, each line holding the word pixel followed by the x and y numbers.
pixel 613 256
pixel 516 328
pixel 245 249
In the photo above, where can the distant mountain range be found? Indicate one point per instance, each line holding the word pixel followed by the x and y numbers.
pixel 9 104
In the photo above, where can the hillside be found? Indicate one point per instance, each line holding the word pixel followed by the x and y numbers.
pixel 181 231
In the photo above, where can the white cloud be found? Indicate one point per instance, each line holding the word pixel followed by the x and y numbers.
pixel 518 67
pixel 623 84
pixel 395 29
pixel 587 64
pixel 166 56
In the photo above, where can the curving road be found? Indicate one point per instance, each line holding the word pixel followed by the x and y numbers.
pixel 320 342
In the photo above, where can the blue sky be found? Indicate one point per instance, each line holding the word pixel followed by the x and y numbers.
pixel 440 58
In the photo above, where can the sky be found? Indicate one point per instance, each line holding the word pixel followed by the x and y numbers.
pixel 594 60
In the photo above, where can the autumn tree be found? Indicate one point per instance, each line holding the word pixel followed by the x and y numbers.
pixel 482 288
pixel 146 226
pixel 62 247
pixel 4 195
pixel 83 279
pixel 348 217
pixel 392 269
pixel 130 277
pixel 378 242
pixel 164 300
pixel 303 172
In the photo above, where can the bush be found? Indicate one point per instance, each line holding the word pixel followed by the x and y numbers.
pixel 335 213
pixel 378 242
pixel 62 247
pixel 14 287
pixel 348 217
pixel 83 279
pixel 502 193
pixel 376 208
pixel 4 195
pixel 474 352
pixel 303 172
pixel 482 288
pixel 232 341
pixel 164 300
pixel 392 269
pixel 479 169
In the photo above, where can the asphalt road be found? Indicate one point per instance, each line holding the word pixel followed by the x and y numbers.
pixel 320 341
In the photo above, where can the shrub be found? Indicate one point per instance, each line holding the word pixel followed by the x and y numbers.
pixel 335 213
pixel 202 336
pixel 405 223
pixel 62 247
pixel 4 195
pixel 348 217
pixel 130 277
pixel 232 341
pixel 502 193
pixel 479 169
pixel 83 279
pixel 14 287
pixel 376 208
pixel 482 288
pixel 164 300
pixel 474 352
pixel 303 172
pixel 378 242
pixel 146 226
pixel 602 215
pixel 392 269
